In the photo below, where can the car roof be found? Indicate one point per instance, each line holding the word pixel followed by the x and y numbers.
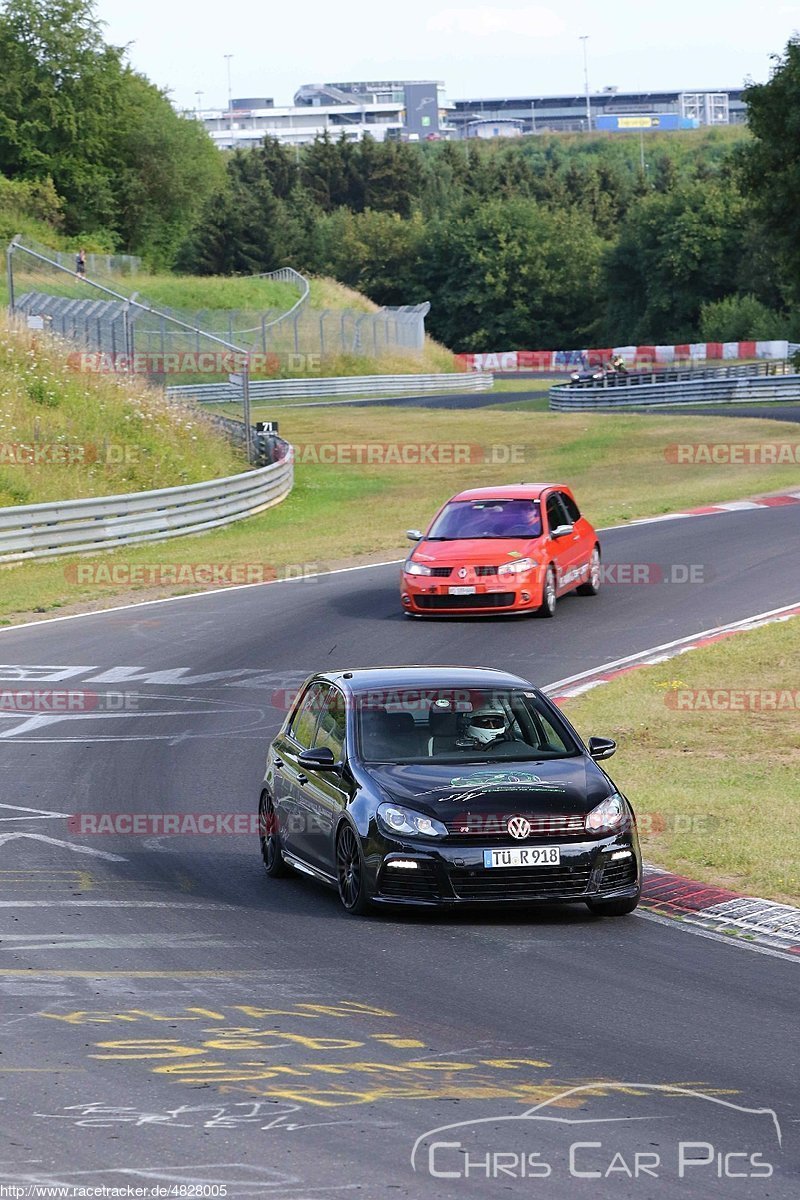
pixel 513 491
pixel 370 679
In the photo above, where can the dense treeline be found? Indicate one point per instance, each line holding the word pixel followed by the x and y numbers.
pixel 87 143
pixel 541 242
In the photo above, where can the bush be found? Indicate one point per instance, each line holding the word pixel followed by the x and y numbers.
pixel 741 318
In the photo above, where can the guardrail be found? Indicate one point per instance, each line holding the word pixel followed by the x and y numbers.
pixel 107 522
pixel 736 389
pixel 348 385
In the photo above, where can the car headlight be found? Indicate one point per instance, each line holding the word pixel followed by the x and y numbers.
pixel 416 568
pixel 518 567
pixel 609 815
pixel 394 819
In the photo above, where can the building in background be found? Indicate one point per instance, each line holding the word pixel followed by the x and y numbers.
pixel 416 110
pixel 409 110
pixel 611 110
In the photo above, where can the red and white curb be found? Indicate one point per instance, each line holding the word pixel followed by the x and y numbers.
pixel 705 510
pixel 721 911
pixel 716 910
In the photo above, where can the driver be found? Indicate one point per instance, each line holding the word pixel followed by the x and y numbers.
pixel 487 726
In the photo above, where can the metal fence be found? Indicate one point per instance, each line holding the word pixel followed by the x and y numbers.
pixel 345 386
pixel 108 522
pixel 734 387
pixel 96 313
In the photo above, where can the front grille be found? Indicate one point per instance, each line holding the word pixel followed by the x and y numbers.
pixel 442 572
pixel 492 829
pixel 485 570
pixel 404 884
pixel 618 875
pixel 486 600
pixel 519 883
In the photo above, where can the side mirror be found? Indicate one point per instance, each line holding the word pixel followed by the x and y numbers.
pixel 414 535
pixel 320 758
pixel 600 748
pixel 561 531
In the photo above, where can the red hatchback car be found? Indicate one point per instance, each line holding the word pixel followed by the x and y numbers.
pixel 502 549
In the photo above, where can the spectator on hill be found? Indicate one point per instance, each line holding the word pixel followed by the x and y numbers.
pixel 80 264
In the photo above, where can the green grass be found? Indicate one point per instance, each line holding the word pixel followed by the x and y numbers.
pixel 715 789
pixel 337 513
pixel 97 435
pixel 502 383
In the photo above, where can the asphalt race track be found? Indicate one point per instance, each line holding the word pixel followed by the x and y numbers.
pixel 171 1017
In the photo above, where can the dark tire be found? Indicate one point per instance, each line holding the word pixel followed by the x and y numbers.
pixel 274 863
pixel 613 908
pixel 350 873
pixel 592 585
pixel 549 599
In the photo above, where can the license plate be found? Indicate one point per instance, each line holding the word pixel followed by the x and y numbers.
pixel 523 856
pixel 462 591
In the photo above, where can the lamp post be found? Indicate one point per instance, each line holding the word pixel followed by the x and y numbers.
pixel 533 116
pixel 228 58
pixel 584 38
pixel 198 108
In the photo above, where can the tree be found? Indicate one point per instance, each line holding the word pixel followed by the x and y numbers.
pixel 675 252
pixel 280 167
pixel 512 275
pixel 740 318
pixel 59 90
pixel 237 232
pixel 769 162
pixel 165 167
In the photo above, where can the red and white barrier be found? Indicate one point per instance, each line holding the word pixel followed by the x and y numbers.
pixel 510 362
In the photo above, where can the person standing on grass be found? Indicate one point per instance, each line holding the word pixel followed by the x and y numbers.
pixel 80 264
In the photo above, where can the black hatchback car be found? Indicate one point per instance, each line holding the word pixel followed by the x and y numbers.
pixel 445 786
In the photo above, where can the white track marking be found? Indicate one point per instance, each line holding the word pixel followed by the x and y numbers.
pixel 32 814
pixel 73 846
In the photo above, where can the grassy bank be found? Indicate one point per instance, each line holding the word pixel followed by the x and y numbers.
pixel 342 510
pixel 709 753
pixel 64 435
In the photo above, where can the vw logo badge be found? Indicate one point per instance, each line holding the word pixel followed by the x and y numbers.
pixel 519 827
pixel 462 572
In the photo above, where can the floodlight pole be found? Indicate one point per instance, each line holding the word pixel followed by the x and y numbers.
pixel 584 38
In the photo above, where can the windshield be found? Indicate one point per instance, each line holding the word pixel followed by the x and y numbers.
pixel 459 725
pixel 487 519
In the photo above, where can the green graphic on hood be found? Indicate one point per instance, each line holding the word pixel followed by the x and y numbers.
pixel 506 780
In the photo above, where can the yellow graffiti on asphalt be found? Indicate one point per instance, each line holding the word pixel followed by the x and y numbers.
pixel 314 1066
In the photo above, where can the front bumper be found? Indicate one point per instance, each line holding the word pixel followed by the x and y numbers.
pixel 421 594
pixel 449 876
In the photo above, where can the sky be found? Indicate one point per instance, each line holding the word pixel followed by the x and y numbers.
pixel 478 49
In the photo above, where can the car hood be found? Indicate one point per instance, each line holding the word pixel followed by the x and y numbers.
pixel 469 552
pixel 447 790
